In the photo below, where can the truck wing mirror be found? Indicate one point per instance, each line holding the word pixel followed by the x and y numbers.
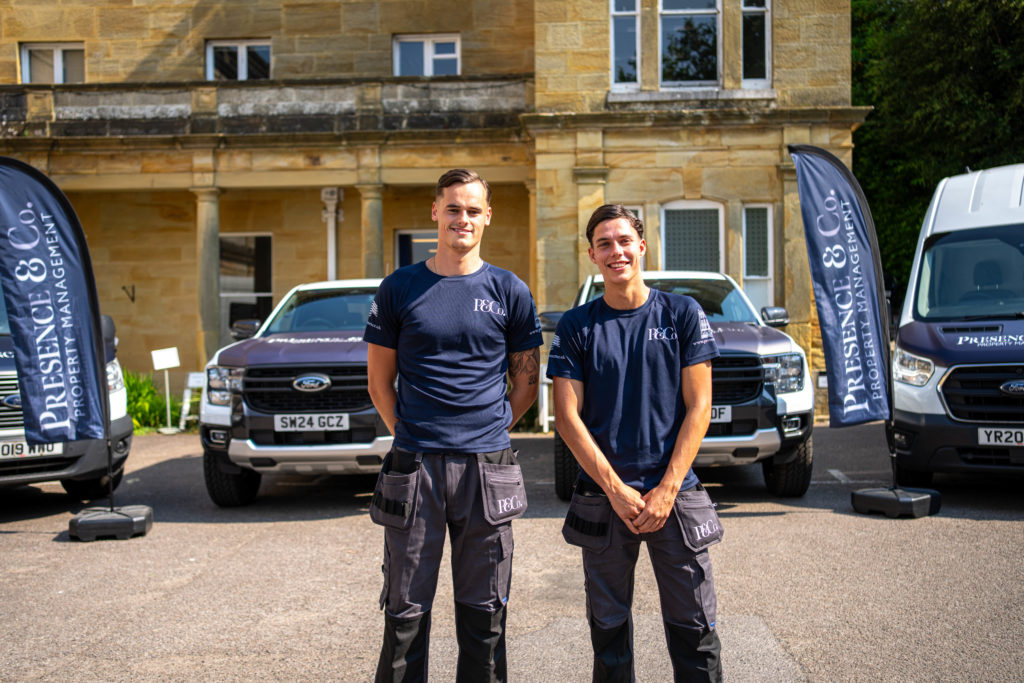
pixel 775 316
pixel 244 328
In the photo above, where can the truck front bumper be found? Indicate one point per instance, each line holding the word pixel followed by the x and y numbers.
pixel 349 458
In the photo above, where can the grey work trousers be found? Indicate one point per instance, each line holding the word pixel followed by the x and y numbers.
pixel 679 558
pixel 432 494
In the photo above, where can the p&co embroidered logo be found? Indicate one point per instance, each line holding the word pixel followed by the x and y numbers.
pixel 488 306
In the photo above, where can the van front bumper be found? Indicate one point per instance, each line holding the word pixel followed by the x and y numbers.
pixel 83 460
pixel 929 442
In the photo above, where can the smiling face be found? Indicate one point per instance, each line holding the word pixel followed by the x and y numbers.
pixel 617 250
pixel 462 213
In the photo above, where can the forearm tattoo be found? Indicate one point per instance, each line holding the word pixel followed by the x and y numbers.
pixel 525 363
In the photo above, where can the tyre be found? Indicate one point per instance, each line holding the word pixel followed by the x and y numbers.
pixel 912 478
pixel 793 478
pixel 228 484
pixel 91 489
pixel 566 470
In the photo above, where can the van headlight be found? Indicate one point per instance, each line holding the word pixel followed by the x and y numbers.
pixel 911 369
pixel 785 371
pixel 220 382
pixel 115 378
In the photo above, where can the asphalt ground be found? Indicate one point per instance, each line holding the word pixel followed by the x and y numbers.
pixel 287 588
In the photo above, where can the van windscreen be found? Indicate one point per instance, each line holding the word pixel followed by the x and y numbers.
pixel 976 273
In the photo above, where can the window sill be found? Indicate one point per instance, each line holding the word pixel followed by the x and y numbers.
pixel 690 95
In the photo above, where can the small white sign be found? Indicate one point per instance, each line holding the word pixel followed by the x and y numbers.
pixel 165 358
pixel 196 380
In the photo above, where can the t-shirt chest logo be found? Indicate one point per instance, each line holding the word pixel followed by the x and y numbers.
pixel 488 306
pixel 661 334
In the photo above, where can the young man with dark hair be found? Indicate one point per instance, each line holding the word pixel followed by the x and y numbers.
pixel 632 398
pixel 461 337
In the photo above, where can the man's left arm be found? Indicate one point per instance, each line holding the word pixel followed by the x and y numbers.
pixel 696 390
pixel 523 376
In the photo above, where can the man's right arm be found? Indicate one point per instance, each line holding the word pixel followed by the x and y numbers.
pixel 382 369
pixel 568 402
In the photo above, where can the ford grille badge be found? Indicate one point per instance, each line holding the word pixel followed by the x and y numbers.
pixel 13 401
pixel 312 382
pixel 1014 387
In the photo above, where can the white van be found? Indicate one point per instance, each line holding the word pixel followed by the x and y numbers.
pixel 958 366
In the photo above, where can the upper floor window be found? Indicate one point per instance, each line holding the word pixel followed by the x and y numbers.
pixel 53 63
pixel 237 60
pixel 625 46
pixel 427 55
pixel 689 42
pixel 756 43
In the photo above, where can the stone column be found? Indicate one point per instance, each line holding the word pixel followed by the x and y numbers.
pixel 372 229
pixel 590 182
pixel 207 271
pixel 531 191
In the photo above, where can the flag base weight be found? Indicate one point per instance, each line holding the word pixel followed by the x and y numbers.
pixel 112 522
pixel 897 502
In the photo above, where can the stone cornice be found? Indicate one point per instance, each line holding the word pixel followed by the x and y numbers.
pixel 732 116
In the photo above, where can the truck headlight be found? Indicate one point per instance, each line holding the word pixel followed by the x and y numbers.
pixel 220 382
pixel 786 372
pixel 115 378
pixel 911 369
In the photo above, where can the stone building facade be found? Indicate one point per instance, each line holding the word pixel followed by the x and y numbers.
pixel 220 152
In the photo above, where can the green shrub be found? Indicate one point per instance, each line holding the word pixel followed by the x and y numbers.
pixel 148 407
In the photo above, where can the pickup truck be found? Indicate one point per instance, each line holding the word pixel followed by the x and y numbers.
pixel 291 395
pixel 763 400
pixel 80 466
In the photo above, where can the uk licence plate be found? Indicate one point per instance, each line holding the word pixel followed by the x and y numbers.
pixel 1000 436
pixel 313 422
pixel 721 413
pixel 21 449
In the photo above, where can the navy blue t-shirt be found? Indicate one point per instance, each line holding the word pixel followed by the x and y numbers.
pixel 630 363
pixel 453 336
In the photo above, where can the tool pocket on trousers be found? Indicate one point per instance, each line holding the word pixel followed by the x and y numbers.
pixel 697 519
pixel 394 497
pixel 503 491
pixel 588 521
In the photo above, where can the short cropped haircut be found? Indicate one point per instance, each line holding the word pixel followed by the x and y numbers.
pixel 610 212
pixel 461 176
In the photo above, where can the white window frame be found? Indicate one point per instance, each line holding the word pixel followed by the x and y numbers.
pixel 766 82
pixel 429 40
pixel 680 85
pixel 689 204
pixel 58 60
pixel 770 246
pixel 243 56
pixel 613 14
pixel 414 234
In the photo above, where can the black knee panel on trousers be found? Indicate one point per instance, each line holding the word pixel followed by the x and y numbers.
pixel 613 653
pixel 696 653
pixel 481 637
pixel 403 656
